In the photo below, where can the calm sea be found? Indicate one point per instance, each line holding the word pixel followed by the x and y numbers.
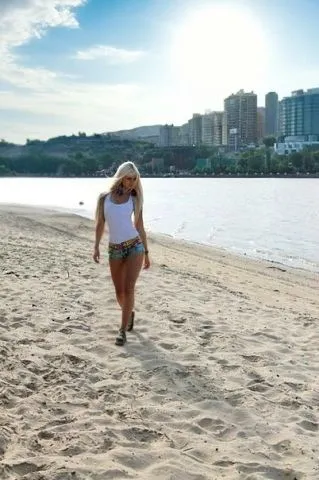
pixel 273 219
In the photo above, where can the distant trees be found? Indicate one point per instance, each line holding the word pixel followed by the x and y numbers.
pixel 3 143
pixel 82 155
pixel 269 141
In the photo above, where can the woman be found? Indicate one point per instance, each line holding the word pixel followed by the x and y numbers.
pixel 121 209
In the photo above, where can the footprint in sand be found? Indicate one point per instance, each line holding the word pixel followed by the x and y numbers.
pixel 271 473
pixel 236 399
pixel 291 403
pixel 252 358
pixel 23 468
pixel 259 386
pixel 220 429
pixel 167 346
pixel 310 426
pixel 45 435
pixel 72 451
pixel 143 435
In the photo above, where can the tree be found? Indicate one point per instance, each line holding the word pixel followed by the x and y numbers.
pixel 256 162
pixel 105 161
pixel 243 163
pixel 4 171
pixel 309 163
pixel 297 160
pixel 269 141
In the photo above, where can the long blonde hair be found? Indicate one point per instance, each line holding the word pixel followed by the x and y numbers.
pixel 125 169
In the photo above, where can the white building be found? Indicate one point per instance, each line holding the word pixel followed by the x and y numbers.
pixel 261 123
pixel 219 119
pixel 208 129
pixel 195 129
pixel 286 148
pixel 184 138
pixel 212 128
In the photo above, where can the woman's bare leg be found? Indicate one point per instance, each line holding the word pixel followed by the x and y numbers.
pixel 132 268
pixel 117 267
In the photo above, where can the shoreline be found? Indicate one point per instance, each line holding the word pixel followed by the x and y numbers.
pixel 311 265
pixel 217 380
pixel 183 175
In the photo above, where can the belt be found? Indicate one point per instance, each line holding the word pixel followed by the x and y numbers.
pixel 127 244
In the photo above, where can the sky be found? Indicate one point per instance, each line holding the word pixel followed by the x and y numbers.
pixel 103 65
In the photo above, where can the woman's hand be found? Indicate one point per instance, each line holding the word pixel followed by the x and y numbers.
pixel 96 255
pixel 147 262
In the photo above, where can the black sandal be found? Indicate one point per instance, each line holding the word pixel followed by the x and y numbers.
pixel 121 337
pixel 130 324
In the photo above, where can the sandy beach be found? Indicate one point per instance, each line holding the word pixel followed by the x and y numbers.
pixel 219 380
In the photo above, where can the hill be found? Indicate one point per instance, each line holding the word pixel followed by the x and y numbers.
pixel 138 132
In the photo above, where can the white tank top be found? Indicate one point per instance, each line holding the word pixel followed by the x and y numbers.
pixel 118 217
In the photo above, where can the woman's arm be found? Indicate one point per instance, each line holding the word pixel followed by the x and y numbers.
pixel 140 228
pixel 99 230
pixel 99 227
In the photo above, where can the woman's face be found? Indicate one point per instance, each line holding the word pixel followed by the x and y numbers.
pixel 129 181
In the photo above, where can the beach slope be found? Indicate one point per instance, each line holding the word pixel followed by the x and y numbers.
pixel 218 380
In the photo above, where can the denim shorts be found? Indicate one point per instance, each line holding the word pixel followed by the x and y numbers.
pixel 123 250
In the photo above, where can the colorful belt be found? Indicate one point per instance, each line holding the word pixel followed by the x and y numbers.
pixel 124 245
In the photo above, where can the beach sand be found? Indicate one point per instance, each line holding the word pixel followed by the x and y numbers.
pixel 219 380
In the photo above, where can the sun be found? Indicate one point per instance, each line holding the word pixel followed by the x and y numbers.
pixel 218 48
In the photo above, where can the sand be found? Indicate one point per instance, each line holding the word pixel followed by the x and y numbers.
pixel 219 380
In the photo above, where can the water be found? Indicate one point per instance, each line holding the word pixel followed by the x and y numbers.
pixel 274 219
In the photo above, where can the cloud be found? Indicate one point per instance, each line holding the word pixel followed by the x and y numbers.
pixel 112 54
pixel 17 75
pixel 72 104
pixel 21 20
pixel 71 100
pixel 72 108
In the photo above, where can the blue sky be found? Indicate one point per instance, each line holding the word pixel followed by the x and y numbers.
pixel 103 65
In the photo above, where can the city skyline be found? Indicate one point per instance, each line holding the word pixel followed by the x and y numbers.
pixel 243 124
pixel 99 66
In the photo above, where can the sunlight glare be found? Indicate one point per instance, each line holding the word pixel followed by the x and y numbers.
pixel 218 49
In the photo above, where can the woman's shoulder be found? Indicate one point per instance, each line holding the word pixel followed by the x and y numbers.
pixel 103 196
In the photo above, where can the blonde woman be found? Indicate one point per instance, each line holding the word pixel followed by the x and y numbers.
pixel 121 210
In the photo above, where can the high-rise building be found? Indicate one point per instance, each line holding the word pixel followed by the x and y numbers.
pixel 271 114
pixel 212 128
pixel 299 115
pixel 218 127
pixel 184 134
pixel 169 136
pixel 261 113
pixel 224 130
pixel 241 119
pixel 195 129
pixel 208 129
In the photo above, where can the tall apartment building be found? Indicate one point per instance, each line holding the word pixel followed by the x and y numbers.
pixel 299 115
pixel 195 129
pixel 261 120
pixel 219 129
pixel 241 119
pixel 224 130
pixel 271 114
pixel 184 135
pixel 212 128
pixel 169 136
pixel 208 129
